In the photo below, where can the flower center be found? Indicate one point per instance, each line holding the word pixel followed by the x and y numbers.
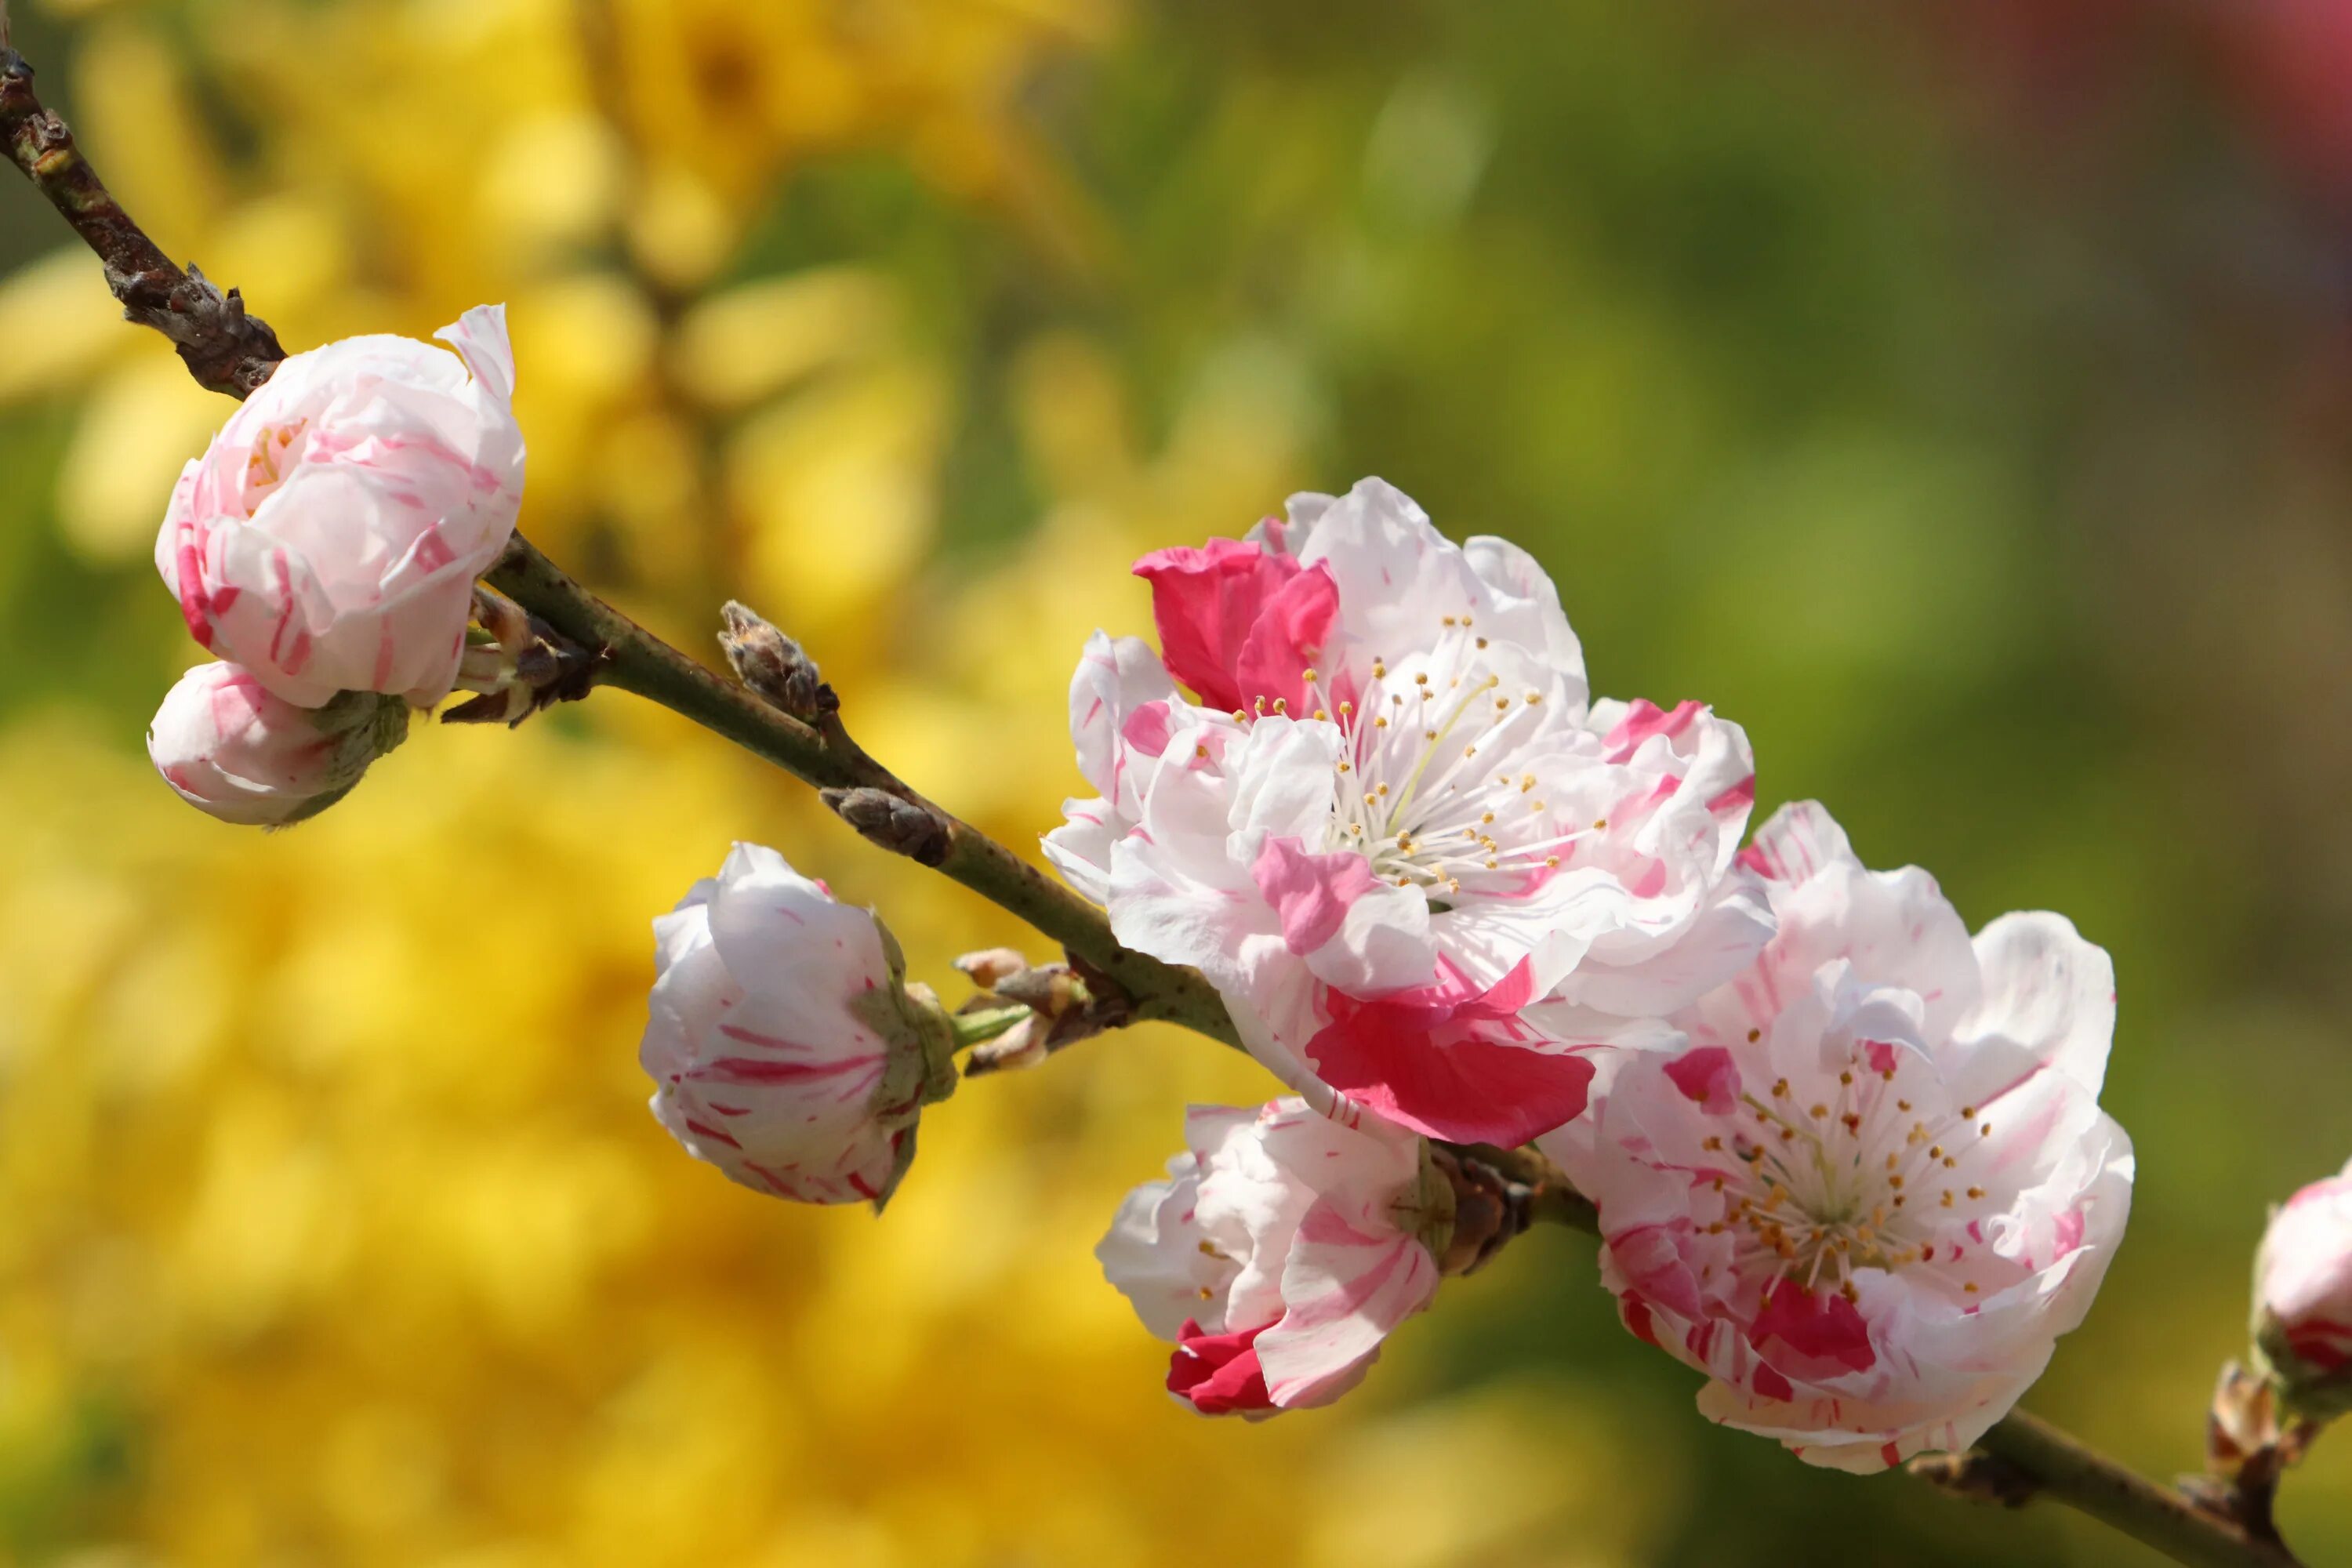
pixel 265 465
pixel 1862 1179
pixel 1428 789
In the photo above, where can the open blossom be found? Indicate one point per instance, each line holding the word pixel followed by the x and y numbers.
pixel 2302 1296
pixel 785 1046
pixel 234 751
pixel 329 537
pixel 1393 821
pixel 1280 1251
pixel 1874 1186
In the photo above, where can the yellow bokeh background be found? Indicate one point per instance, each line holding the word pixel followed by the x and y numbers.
pixel 332 1226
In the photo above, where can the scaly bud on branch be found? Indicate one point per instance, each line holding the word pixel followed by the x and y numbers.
pixel 893 823
pixel 774 665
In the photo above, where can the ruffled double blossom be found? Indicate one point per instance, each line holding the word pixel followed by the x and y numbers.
pixel 1426 873
pixel 1871 1185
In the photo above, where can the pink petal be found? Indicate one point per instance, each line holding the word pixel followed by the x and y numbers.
pixel 1218 1374
pixel 1819 1334
pixel 1708 1076
pixel 1466 1069
pixel 1205 602
pixel 1310 892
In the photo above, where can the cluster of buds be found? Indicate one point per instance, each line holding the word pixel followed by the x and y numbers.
pixel 1042 1008
pixel 517 665
pixel 326 547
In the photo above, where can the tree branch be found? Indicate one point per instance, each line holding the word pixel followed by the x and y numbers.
pixel 637 661
pixel 2153 1515
pixel 229 352
pixel 225 350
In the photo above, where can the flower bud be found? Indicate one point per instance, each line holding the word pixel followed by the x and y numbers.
pixel 329 537
pixel 236 751
pixel 1025 1045
pixel 774 665
pixel 893 822
pixel 2302 1299
pixel 785 1043
pixel 986 967
pixel 1281 1251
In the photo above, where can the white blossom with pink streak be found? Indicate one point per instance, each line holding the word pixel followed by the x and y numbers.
pixel 233 750
pixel 783 1043
pixel 1873 1184
pixel 1393 822
pixel 1281 1250
pixel 2303 1297
pixel 329 537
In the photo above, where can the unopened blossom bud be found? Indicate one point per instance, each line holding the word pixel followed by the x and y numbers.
pixel 329 539
pixel 1282 1249
pixel 992 964
pixel 774 665
pixel 892 822
pixel 1025 1045
pixel 234 751
pixel 2302 1299
pixel 785 1043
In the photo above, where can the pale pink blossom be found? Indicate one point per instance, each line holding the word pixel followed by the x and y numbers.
pixel 783 1043
pixel 1280 1251
pixel 329 539
pixel 2302 1296
pixel 233 750
pixel 1393 821
pixel 1873 1185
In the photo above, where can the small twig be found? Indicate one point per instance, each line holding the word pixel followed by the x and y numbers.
pixel 225 349
pixel 2157 1515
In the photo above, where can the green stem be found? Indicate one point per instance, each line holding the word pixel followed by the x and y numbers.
pixel 975 1028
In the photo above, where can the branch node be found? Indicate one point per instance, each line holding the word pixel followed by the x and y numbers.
pixel 1977 1477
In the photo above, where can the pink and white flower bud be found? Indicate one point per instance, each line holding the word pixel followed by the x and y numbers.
pixel 785 1043
pixel 1282 1249
pixel 329 539
pixel 2302 1298
pixel 236 751
pixel 1873 1185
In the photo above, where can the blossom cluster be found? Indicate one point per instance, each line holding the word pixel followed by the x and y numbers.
pixel 1849 1162
pixel 325 547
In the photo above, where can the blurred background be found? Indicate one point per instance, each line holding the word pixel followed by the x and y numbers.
pixel 1956 394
